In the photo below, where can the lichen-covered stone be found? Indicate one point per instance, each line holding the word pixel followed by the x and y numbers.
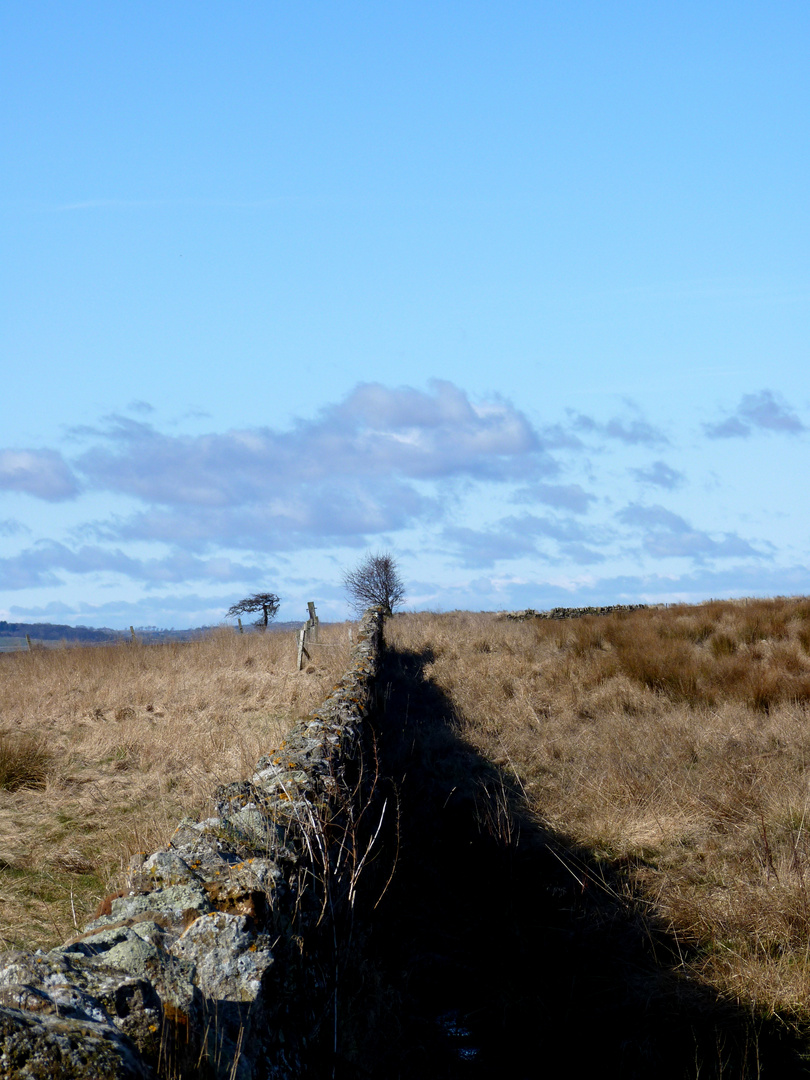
pixel 38 1046
pixel 161 869
pixel 122 948
pixel 229 958
pixel 65 986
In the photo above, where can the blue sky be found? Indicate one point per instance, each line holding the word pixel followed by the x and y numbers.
pixel 518 292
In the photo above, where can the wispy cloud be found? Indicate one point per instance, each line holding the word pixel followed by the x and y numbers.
pixel 571 497
pixel 367 464
pixel 485 547
pixel 763 411
pixel 516 536
pixel 633 431
pixel 374 432
pixel 667 535
pixel 10 527
pixel 42 473
pixel 316 515
pixel 41 565
pixel 659 474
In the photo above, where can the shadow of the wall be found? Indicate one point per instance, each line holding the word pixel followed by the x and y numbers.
pixel 501 950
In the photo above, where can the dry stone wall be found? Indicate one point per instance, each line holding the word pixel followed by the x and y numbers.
pixel 201 967
pixel 571 613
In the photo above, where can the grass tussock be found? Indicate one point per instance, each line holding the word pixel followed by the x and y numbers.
pixel 675 744
pixel 24 761
pixel 104 749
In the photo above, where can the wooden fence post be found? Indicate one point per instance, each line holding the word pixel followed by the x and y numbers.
pixel 132 631
pixel 28 640
pixel 302 651
pixel 241 631
pixel 314 621
pixel 308 632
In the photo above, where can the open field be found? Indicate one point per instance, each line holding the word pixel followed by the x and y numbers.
pixel 664 752
pixel 104 749
pixel 672 744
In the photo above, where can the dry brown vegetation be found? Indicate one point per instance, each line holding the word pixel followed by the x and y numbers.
pixel 104 749
pixel 675 745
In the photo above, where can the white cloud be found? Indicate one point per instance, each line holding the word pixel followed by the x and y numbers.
pixel 368 464
pixel 634 431
pixel 659 474
pixel 42 473
pixel 763 411
pixel 375 432
pixel 515 537
pixel 41 565
pixel 668 535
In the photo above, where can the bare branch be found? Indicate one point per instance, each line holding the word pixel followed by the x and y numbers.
pixel 375 582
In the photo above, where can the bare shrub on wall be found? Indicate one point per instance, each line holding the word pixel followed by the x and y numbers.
pixel 375 582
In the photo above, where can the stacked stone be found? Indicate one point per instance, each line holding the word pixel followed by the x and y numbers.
pixel 179 975
pixel 570 613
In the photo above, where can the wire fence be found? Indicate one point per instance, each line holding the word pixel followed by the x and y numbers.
pixel 15 644
pixel 307 638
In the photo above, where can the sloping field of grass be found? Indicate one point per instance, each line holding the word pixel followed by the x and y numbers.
pixel 104 749
pixel 674 744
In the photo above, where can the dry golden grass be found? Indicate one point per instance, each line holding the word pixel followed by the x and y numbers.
pixel 104 749
pixel 673 743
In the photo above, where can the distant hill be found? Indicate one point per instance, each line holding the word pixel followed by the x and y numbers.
pixel 55 632
pixel 14 633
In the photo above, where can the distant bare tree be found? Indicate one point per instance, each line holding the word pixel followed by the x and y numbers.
pixel 375 582
pixel 266 602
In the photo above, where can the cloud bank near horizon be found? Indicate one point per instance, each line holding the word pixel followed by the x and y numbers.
pixel 464 485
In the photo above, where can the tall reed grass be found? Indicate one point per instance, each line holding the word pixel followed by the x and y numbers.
pixel 675 744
